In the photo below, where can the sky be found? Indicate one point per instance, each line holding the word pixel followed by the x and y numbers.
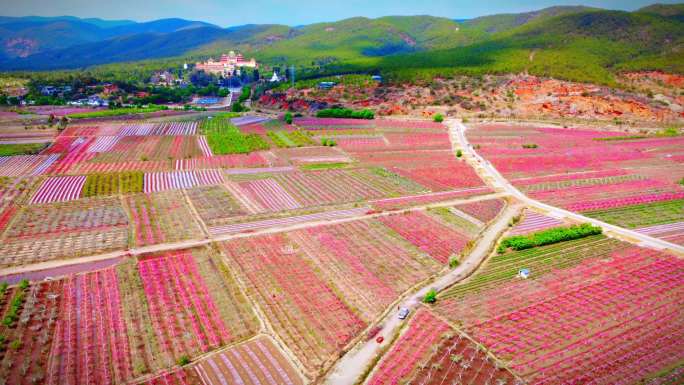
pixel 291 12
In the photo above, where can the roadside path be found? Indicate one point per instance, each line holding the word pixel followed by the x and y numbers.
pixel 353 364
pixel 484 168
pixel 16 271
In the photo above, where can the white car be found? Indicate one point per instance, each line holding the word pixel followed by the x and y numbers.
pixel 403 313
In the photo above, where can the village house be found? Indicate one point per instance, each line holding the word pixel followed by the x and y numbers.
pixel 226 65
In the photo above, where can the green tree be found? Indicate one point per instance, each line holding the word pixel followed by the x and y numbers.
pixel 430 296
pixel 288 117
pixel 438 118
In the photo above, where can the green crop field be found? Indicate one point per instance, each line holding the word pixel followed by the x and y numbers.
pixel 504 267
pixel 21 149
pixel 651 214
pixel 224 138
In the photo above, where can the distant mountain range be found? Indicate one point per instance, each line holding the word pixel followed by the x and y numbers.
pixel 506 42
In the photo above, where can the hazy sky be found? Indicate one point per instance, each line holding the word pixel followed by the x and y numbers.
pixel 227 13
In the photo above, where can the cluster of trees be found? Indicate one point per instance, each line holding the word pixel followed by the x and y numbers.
pixel 238 106
pixel 547 237
pixel 345 113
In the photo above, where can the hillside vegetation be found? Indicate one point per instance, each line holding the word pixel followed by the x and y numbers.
pixel 574 43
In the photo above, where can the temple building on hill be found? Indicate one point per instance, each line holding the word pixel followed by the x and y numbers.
pixel 227 64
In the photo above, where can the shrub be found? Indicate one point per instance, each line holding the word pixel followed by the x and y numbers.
pixel 328 142
pixel 345 113
pixel 459 153
pixel 550 236
pixel 183 360
pixel 430 296
pixel 453 262
pixel 288 117
pixel 16 344
pixel 24 284
pixel 530 145
pixel 438 118
pixel 3 288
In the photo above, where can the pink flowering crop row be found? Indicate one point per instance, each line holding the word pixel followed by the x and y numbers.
pixel 291 220
pixel 571 176
pixel 485 211
pixel 435 239
pixel 173 180
pixel 283 283
pixel 254 159
pixel 534 222
pixel 423 140
pixel 600 318
pixel 320 123
pixel 59 189
pixel 414 200
pixel 91 343
pixel 18 165
pixel 204 146
pixel 77 152
pixel 251 363
pixel 452 175
pixel 628 201
pixel 361 143
pixel 181 305
pixel 176 377
pixel 110 167
pixel 424 330
pixel 268 194
pixel 422 124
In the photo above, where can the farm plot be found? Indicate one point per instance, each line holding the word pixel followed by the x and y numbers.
pixel 425 199
pixel 124 166
pixel 97 214
pixel 579 171
pixel 369 264
pixel 642 215
pixel 160 217
pixel 23 165
pixel 533 222
pixel 42 232
pixel 279 279
pixel 193 308
pixel 175 180
pixel 152 148
pixel 453 175
pixel 176 377
pixel 315 188
pixel 257 362
pixel 268 194
pixel 214 203
pixel 90 342
pixel 483 211
pixel 431 352
pixel 254 159
pixel 286 139
pixel 59 189
pixel 76 153
pixel 22 251
pixel 429 235
pixel 593 309
pixel 27 331
pixel 104 143
pixel 113 184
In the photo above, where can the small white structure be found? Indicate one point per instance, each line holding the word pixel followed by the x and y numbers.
pixel 274 78
pixel 524 273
